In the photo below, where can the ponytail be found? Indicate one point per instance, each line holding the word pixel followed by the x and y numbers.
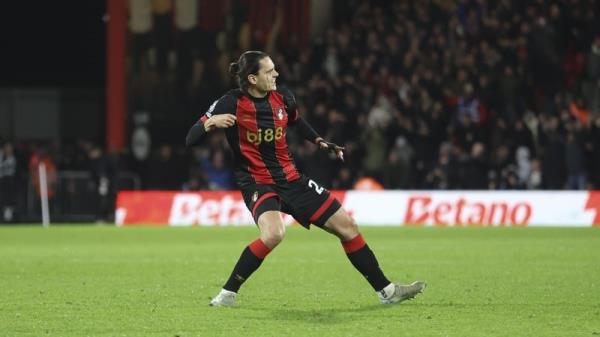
pixel 247 64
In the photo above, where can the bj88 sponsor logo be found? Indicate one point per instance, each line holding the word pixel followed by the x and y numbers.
pixel 264 135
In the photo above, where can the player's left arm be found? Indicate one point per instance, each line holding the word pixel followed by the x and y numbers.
pixel 305 129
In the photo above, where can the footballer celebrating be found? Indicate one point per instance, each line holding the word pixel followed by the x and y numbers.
pixel 255 118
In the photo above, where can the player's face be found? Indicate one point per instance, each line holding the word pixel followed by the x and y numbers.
pixel 265 80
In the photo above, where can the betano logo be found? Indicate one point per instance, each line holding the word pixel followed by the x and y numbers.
pixel 268 135
pixel 190 209
pixel 423 209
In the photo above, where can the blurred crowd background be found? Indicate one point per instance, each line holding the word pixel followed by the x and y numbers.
pixel 434 94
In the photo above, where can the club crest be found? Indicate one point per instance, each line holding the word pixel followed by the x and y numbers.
pixel 280 114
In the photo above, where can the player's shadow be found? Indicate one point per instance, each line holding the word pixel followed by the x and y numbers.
pixel 320 316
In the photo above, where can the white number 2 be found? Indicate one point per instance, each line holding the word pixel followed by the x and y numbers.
pixel 311 183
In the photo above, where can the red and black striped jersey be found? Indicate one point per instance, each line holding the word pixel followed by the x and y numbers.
pixel 258 138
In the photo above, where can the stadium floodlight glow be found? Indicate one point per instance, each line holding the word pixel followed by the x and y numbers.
pixel 44 195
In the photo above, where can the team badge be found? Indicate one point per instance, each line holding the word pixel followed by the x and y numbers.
pixel 255 196
pixel 280 114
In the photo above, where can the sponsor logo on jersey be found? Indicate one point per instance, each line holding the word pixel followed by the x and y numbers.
pixel 255 196
pixel 264 135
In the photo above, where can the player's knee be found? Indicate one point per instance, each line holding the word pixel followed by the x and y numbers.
pixel 350 228
pixel 347 228
pixel 273 236
pixel 353 226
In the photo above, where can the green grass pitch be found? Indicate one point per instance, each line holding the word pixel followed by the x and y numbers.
pixel 106 281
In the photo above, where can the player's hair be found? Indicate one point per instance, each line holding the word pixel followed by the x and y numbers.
pixel 247 64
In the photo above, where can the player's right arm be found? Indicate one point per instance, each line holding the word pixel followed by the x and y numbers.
pixel 304 128
pixel 220 115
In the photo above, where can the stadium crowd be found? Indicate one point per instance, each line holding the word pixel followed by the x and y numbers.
pixel 430 94
pixel 478 95
pixel 450 95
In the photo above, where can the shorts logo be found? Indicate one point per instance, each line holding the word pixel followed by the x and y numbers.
pixel 280 114
pixel 255 196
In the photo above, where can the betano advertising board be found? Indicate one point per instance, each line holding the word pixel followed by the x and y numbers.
pixel 377 208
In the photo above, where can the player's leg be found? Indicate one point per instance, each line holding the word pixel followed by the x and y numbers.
pixel 363 259
pixel 360 255
pixel 272 230
pixel 310 203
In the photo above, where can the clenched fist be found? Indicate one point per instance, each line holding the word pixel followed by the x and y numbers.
pixel 219 122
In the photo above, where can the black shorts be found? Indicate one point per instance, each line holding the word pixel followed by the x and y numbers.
pixel 303 199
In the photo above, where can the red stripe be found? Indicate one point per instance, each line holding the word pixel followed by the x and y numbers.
pixel 203 118
pixel 322 209
pixel 353 245
pixel 258 248
pixel 246 122
pixel 281 149
pixel 116 81
pixel 261 199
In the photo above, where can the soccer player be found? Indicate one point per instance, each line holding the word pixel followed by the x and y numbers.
pixel 255 118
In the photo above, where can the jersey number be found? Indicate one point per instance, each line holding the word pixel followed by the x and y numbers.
pixel 312 184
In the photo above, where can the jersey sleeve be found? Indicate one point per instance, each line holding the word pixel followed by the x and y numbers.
pixel 224 105
pixel 294 118
pixel 291 106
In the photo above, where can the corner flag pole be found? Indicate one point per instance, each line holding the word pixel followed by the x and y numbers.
pixel 44 195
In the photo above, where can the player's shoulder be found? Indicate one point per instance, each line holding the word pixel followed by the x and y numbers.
pixel 226 103
pixel 231 95
pixel 235 93
pixel 284 91
pixel 288 97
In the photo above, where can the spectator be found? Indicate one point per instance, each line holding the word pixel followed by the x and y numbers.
pixel 218 174
pixel 476 176
pixel 524 169
pixel 592 85
pixel 141 51
pixel 162 19
pixel 553 155
pixel 535 179
pixel 186 24
pixel 8 182
pixel 104 173
pixel 574 159
pixel 397 170
pixel 595 152
pixel 162 170
pixel 140 27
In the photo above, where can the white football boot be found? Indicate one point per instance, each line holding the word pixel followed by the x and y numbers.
pixel 225 298
pixel 396 293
